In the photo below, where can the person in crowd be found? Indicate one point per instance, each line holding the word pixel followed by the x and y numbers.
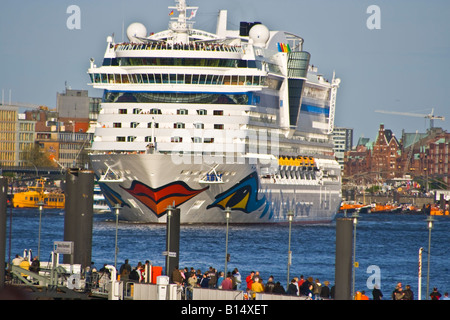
pixel 304 289
pixel 309 293
pixel 220 279
pixel 364 296
pixel 257 286
pixel 300 281
pixel 212 275
pixel 124 271
pixel 35 265
pixel 25 264
pixel 333 292
pixel 409 294
pixel 237 279
pixel 176 276
pixel 270 284
pixel 191 284
pixel 435 295
pixel 17 260
pixel 204 281
pixel 317 287
pixel 376 293
pixel 292 288
pixel 249 280
pixel 227 284
pixel 325 291
pixel 399 294
pixel 398 288
pixel 278 288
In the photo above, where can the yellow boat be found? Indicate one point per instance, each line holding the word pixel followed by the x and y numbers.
pixel 36 194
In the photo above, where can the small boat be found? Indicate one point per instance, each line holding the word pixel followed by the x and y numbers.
pixel 350 206
pixel 37 195
pixel 380 208
pixel 437 211
pixel 100 204
pixel 384 208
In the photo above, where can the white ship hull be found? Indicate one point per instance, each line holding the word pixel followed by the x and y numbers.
pixel 150 182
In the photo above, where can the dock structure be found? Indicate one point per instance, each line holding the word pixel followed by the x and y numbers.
pixel 343 265
pixel 78 219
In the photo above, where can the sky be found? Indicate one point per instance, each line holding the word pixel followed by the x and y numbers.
pixel 401 65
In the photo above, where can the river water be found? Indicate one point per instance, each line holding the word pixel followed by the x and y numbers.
pixel 387 247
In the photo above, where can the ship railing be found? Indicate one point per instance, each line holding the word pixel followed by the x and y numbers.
pixel 185 47
pixel 110 176
pixel 212 176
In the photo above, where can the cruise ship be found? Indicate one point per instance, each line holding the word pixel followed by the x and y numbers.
pixel 233 122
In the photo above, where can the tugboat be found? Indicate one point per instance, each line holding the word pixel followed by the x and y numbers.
pixel 35 195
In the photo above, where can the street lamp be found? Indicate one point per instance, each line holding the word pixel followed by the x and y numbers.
pixel 290 216
pixel 227 216
pixel 116 249
pixel 169 217
pixel 354 217
pixel 41 207
pixel 430 220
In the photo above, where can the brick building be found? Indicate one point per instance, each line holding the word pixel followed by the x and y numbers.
pixel 385 155
pixel 422 157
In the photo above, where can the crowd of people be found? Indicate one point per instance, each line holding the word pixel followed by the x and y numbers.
pixel 407 294
pixel 24 263
pixel 252 283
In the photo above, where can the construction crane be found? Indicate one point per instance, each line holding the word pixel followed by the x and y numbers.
pixel 430 116
pixel 334 86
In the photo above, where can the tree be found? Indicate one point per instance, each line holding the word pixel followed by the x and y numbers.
pixel 38 158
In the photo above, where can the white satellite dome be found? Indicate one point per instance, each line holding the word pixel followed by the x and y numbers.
pixel 259 33
pixel 136 30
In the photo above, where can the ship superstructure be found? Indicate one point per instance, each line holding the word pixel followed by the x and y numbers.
pixel 204 122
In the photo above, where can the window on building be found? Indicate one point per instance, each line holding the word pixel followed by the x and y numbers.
pixel 178 125
pixel 155 111
pixel 150 124
pixel 176 139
